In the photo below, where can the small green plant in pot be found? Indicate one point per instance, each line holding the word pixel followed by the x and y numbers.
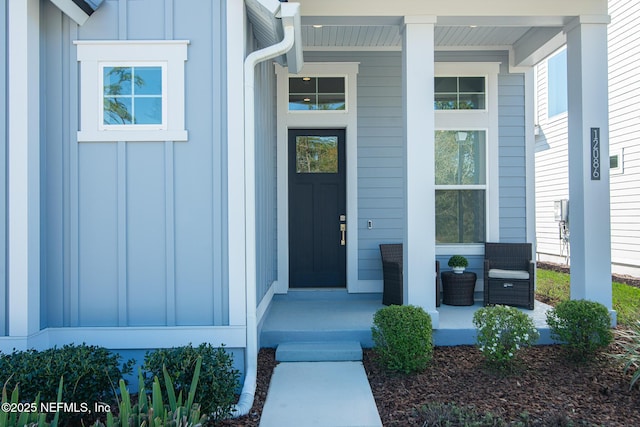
pixel 402 335
pixel 458 263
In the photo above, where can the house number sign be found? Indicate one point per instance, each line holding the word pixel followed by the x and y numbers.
pixel 595 154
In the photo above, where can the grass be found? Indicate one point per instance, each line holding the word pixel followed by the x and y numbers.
pixel 554 287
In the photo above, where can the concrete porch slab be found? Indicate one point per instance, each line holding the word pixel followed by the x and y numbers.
pixel 319 394
pixel 338 316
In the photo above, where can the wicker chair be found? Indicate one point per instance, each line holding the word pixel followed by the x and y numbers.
pixel 392 265
pixel 509 274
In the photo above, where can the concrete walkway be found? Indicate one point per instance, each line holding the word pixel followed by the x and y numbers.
pixel 330 393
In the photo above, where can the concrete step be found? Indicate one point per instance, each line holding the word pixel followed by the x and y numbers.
pixel 327 351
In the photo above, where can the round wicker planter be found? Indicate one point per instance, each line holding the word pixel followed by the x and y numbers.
pixel 457 288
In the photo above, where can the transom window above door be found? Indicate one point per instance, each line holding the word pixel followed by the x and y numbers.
pixel 317 94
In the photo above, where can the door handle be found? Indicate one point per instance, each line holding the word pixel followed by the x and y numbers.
pixel 343 239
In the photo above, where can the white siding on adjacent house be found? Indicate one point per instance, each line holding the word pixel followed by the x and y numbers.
pixel 552 177
pixel 624 139
pixel 624 128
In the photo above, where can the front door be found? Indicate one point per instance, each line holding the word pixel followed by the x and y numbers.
pixel 317 208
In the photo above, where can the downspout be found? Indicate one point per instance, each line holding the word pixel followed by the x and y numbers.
pixel 251 357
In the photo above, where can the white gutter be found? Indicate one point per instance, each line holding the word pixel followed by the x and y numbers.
pixel 251 356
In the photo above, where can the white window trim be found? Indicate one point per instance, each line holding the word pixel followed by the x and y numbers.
pixel 94 55
pixel 470 120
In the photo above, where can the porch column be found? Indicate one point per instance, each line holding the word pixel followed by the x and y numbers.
pixel 418 94
pixel 589 159
pixel 23 190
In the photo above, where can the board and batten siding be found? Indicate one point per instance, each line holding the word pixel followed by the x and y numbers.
pixel 3 169
pixel 624 126
pixel 381 151
pixel 134 233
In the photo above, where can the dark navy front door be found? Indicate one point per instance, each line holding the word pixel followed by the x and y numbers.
pixel 317 208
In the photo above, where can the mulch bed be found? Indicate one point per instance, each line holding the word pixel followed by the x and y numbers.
pixel 552 390
pixel 549 388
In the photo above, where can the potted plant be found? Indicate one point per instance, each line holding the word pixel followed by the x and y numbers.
pixel 458 263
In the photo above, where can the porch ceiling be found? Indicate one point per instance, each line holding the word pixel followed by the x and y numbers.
pixel 522 36
pixel 388 36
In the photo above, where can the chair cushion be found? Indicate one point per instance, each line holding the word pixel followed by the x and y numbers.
pixel 496 273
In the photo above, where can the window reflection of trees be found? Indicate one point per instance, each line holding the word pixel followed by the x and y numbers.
pixel 460 214
pixel 116 109
pixel 316 154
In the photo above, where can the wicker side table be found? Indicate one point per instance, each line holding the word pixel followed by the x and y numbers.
pixel 457 289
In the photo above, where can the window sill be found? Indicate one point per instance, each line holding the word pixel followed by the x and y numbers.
pixel 133 135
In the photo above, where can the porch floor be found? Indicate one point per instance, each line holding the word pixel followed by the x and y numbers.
pixel 335 315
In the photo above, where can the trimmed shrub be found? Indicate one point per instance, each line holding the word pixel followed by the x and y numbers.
pixel 90 373
pixel 218 379
pixel 502 331
pixel 584 326
pixel 73 373
pixel 403 338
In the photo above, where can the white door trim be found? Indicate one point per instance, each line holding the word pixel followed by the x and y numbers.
pixel 347 120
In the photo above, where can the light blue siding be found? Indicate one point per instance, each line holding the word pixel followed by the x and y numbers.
pixel 134 233
pixel 380 150
pixel 266 185
pixel 513 162
pixel 3 169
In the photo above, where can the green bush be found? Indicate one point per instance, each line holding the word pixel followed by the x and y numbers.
pixel 584 326
pixel 218 379
pixel 403 338
pixel 629 341
pixel 501 332
pixel 90 373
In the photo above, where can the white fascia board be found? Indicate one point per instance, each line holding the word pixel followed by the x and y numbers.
pixel 489 8
pixel 71 10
